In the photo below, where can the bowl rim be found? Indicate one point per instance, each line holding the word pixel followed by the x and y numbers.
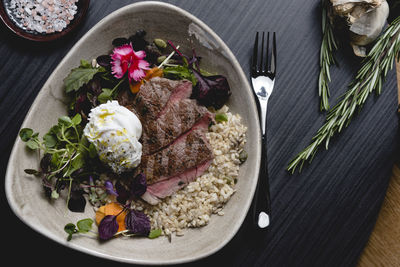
pixel 83 6
pixel 257 149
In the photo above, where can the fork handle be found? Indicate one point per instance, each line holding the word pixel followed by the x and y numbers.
pixel 261 201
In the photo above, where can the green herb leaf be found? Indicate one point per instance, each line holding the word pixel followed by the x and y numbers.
pixel 85 225
pixel 49 140
pixel 80 76
pixel 328 46
pixel 55 159
pixel 180 72
pixel 220 117
pixel 105 95
pixel 54 194
pixel 70 229
pixel 243 156
pixel 78 162
pixel 85 64
pixel 92 151
pixel 25 134
pixel 65 120
pixel 154 233
pixel 32 144
pixel 55 130
pixel 77 119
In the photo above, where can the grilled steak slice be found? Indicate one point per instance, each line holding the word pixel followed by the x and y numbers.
pixel 188 151
pixel 155 94
pixel 178 118
pixel 165 188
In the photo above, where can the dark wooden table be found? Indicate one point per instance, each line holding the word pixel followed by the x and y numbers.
pixel 321 217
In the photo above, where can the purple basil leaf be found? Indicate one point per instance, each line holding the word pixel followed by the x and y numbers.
pixel 152 53
pixel 94 86
pixel 137 222
pixel 123 193
pixel 77 201
pixel 110 188
pixel 137 40
pixel 139 185
pixel 45 163
pixel 211 90
pixel 119 41
pixel 79 102
pixel 104 60
pixel 108 227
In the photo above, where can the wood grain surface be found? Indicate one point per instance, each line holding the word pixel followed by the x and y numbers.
pixel 320 217
pixel 383 247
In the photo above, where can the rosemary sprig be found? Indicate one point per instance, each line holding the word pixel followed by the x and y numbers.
pixel 370 77
pixel 326 59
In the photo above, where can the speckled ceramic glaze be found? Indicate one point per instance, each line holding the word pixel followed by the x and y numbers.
pixel 25 194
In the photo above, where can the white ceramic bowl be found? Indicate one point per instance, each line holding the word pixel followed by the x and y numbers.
pixel 25 194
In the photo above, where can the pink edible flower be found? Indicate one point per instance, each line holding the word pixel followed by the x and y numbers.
pixel 124 59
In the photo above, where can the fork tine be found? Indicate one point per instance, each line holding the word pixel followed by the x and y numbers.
pixel 254 59
pixel 273 55
pixel 261 67
pixel 267 56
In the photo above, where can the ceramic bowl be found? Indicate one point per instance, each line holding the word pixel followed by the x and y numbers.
pixel 160 20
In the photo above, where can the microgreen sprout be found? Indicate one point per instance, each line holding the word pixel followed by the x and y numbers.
pixel 83 226
pixel 65 150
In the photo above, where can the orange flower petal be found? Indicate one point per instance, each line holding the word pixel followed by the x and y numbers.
pixel 112 209
pixel 151 73
pixel 135 87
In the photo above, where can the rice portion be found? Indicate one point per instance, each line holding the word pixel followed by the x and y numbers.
pixel 193 205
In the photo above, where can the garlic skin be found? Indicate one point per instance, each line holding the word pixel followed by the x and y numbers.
pixel 365 19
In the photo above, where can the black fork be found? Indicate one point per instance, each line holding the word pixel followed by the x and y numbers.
pixel 263 80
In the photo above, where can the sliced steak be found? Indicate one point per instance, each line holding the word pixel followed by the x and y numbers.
pixel 156 192
pixel 178 118
pixel 175 147
pixel 187 152
pixel 154 94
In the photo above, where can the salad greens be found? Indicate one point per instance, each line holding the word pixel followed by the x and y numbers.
pixel 80 76
pixel 71 162
pixel 66 155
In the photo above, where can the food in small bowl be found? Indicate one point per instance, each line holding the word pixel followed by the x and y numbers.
pixel 43 20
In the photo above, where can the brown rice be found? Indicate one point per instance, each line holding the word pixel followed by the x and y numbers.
pixel 193 205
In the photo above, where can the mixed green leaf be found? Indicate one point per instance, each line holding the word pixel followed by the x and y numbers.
pixel 80 76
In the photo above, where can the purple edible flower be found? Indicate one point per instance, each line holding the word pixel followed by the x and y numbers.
pixel 137 222
pixel 110 188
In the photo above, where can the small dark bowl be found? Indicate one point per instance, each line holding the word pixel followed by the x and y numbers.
pixel 82 5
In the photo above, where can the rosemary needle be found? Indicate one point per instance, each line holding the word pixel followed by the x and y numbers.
pixel 370 77
pixel 328 46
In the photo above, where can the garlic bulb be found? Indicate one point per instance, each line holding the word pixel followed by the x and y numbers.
pixel 365 19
